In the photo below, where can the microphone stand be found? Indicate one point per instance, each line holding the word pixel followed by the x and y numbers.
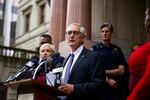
pixel 39 66
pixel 12 78
pixel 34 75
pixel 45 69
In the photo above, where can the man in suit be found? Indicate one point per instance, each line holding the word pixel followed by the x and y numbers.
pixel 86 77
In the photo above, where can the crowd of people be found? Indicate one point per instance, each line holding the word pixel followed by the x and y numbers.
pixel 100 73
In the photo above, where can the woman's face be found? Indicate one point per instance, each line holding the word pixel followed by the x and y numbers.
pixel 147 20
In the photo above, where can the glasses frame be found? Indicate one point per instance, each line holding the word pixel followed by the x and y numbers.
pixel 73 33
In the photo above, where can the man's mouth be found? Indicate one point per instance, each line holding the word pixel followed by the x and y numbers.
pixel 71 40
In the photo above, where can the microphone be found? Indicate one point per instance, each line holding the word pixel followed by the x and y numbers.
pixel 32 63
pixel 45 61
pixel 56 54
pixel 57 71
pixel 39 67
pixel 9 79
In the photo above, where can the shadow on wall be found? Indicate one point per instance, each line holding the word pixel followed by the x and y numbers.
pixel 3 91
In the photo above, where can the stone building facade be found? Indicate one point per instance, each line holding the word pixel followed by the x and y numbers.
pixel 35 17
pixel 127 17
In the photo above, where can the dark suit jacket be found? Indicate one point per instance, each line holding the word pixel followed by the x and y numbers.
pixel 57 59
pixel 87 76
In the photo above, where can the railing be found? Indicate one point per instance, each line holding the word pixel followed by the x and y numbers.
pixel 16 53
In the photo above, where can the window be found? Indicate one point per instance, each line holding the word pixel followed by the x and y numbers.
pixel 41 14
pixel 27 16
pixel 27 22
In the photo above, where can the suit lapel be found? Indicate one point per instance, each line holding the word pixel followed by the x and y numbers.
pixel 65 61
pixel 79 59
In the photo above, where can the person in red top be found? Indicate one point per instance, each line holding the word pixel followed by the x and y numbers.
pixel 139 65
pixel 133 78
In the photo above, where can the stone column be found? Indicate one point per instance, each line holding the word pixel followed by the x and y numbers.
pixel 58 21
pixel 79 11
pixel 7 23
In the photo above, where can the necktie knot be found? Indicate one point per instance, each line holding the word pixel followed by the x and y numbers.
pixel 72 55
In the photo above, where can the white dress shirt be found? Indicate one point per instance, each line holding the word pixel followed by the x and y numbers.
pixel 76 55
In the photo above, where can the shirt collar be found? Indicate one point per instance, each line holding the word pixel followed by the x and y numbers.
pixel 78 51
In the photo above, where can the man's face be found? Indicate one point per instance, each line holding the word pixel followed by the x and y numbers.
pixel 147 20
pixel 44 40
pixel 45 51
pixel 105 34
pixel 74 37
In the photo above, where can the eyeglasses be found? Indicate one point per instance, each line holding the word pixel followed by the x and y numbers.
pixel 73 32
pixel 106 31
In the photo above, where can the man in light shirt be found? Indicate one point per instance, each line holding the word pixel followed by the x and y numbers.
pixel 86 77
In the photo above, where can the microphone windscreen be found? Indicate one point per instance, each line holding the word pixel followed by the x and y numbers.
pixel 58 68
pixel 33 62
pixel 55 55
pixel 58 65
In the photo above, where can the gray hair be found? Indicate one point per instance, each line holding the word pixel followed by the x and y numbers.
pixel 82 29
pixel 50 46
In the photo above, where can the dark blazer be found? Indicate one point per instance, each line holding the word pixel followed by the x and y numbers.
pixel 57 59
pixel 87 76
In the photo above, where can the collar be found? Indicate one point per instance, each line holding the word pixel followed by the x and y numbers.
pixel 78 51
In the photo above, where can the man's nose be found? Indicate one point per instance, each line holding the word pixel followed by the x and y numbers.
pixel 45 52
pixel 72 34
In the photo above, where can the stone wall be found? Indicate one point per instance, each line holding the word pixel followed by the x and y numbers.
pixel 11 60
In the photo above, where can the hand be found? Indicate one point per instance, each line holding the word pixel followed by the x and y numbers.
pixel 66 88
pixel 112 83
pixel 108 72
